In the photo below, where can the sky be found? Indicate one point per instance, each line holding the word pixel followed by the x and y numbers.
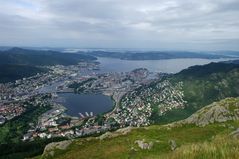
pixel 153 24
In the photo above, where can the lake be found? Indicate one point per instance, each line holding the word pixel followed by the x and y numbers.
pixel 82 103
pixel 166 66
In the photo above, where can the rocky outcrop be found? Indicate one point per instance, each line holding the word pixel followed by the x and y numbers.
pixel 144 145
pixel 118 132
pixel 172 144
pixel 107 135
pixel 235 134
pixel 50 148
pixel 124 131
pixel 222 111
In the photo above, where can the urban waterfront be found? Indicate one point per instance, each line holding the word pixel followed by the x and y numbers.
pixel 88 104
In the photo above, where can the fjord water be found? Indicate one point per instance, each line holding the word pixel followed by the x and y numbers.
pixel 81 103
pixel 165 66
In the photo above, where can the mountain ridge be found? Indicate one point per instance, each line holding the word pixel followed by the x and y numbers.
pixel 41 57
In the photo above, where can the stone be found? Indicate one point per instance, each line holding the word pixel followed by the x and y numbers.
pixel 172 144
pixel 235 134
pixel 144 145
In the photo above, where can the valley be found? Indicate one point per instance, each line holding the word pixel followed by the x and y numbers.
pixel 43 107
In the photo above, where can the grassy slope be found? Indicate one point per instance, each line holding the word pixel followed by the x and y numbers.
pixel 222 147
pixel 121 147
pixel 192 142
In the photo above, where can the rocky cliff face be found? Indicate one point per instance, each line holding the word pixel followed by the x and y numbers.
pixel 224 110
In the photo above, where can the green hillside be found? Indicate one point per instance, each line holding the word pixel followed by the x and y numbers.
pixel 10 72
pixel 177 140
pixel 203 85
pixel 41 57
pixel 177 96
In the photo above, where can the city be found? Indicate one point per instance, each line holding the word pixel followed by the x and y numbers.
pixel 82 78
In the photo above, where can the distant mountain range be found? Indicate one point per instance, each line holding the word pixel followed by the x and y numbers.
pixel 16 63
pixel 22 58
pixel 41 57
pixel 72 57
pixel 159 55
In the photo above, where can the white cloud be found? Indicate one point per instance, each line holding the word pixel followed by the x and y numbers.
pixel 173 24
